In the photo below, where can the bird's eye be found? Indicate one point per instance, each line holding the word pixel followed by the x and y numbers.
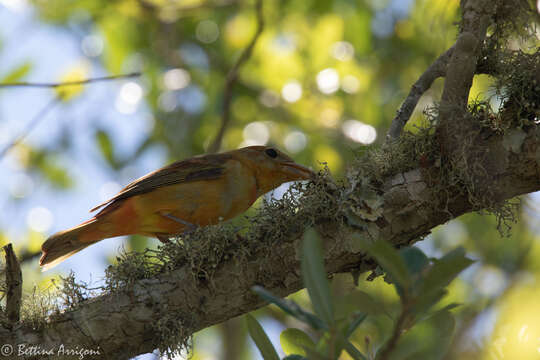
pixel 271 152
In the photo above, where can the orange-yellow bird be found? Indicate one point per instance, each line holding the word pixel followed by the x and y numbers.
pixel 177 198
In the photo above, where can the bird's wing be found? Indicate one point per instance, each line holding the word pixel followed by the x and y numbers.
pixel 206 167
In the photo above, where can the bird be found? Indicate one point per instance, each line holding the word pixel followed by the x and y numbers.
pixel 178 198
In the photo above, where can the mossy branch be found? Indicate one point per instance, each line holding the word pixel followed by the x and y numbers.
pixel 159 299
pixel 476 54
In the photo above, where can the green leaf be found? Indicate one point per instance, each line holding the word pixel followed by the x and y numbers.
pixel 17 73
pixel 314 355
pixel 445 309
pixel 429 339
pixel 293 341
pixel 261 339
pixel 444 270
pixel 450 306
pixel 291 308
pixel 354 352
pixel 315 278
pixel 118 47
pixel 294 357
pixel 105 146
pixel 424 302
pixel 52 169
pixel 340 340
pixel 354 324
pixel 389 259
pixel 358 300
pixel 77 72
pixel 415 259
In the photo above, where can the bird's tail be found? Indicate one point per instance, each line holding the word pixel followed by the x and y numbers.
pixel 62 245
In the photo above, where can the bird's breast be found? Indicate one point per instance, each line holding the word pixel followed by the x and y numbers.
pixel 240 190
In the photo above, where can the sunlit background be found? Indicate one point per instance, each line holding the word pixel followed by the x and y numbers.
pixel 323 84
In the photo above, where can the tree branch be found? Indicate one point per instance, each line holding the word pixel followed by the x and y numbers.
pixel 477 15
pixel 464 65
pixel 161 310
pixel 13 285
pixel 232 76
pixel 436 70
pixel 70 83
pixel 205 5
pixel 50 105
pixel 390 345
pixel 31 125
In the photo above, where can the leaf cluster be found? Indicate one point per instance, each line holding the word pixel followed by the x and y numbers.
pixel 419 281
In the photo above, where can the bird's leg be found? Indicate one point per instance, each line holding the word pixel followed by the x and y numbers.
pixel 190 227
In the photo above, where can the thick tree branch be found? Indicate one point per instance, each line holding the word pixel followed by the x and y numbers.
pixel 477 15
pixel 136 320
pixel 459 61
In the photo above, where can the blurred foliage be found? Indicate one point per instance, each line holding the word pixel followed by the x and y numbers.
pixel 418 331
pixel 300 40
pixel 321 70
pixel 19 72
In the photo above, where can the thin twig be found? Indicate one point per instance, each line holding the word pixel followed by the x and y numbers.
pixel 31 125
pixel 13 285
pixel 70 83
pixel 232 76
pixel 436 69
pixel 182 11
pixel 41 114
pixel 390 345
pixel 205 5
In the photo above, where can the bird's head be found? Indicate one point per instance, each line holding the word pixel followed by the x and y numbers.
pixel 272 167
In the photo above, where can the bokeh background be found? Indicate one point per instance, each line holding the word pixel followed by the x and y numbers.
pixel 323 83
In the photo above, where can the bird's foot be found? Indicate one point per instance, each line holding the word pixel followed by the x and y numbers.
pixel 189 226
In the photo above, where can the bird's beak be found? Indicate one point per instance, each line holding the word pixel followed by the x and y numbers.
pixel 296 171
